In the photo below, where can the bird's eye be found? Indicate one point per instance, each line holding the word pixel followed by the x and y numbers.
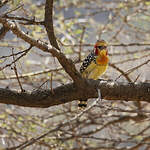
pixel 101 47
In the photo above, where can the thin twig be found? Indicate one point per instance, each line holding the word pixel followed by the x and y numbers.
pixel 10 11
pixel 132 69
pixel 25 21
pixel 40 85
pixel 33 73
pixel 81 41
pixel 16 72
pixel 67 64
pixel 137 78
pixel 131 59
pixel 51 83
pixel 66 122
pixel 15 60
pixel 4 2
pixel 121 71
pixel 115 45
pixel 131 44
pixel 24 51
pixel 135 68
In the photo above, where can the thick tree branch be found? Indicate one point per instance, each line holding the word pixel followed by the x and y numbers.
pixel 3 32
pixel 109 90
pixel 49 23
pixel 66 63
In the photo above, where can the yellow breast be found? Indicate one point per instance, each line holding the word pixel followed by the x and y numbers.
pixel 94 71
pixel 102 58
pixel 97 72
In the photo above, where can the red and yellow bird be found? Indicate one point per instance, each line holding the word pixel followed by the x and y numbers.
pixel 94 65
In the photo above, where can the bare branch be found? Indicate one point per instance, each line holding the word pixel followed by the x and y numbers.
pixel 111 44
pixel 15 60
pixel 66 63
pixel 15 54
pixel 24 21
pixel 125 74
pixel 131 44
pixel 4 2
pixel 3 32
pixel 121 71
pixel 16 72
pixel 45 98
pixel 49 23
pixel 34 140
pixel 14 9
pixel 81 41
pixel 32 74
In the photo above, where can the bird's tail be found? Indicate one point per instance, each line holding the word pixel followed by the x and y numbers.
pixel 82 103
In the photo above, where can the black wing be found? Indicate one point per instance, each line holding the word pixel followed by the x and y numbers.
pixel 87 61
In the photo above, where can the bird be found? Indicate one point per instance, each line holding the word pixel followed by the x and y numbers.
pixel 94 65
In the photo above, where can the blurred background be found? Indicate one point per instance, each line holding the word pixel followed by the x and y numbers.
pixel 125 25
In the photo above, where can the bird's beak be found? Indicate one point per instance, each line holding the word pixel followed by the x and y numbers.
pixel 103 52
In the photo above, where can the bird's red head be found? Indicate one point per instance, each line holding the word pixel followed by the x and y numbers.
pixel 100 45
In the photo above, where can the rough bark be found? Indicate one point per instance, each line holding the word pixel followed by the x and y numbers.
pixel 49 23
pixel 109 90
pixel 79 89
pixel 3 32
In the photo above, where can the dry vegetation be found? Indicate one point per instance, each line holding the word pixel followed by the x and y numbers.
pixel 40 54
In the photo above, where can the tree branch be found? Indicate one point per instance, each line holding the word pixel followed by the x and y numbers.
pixel 49 23
pixel 67 64
pixel 3 2
pixel 109 90
pixel 3 32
